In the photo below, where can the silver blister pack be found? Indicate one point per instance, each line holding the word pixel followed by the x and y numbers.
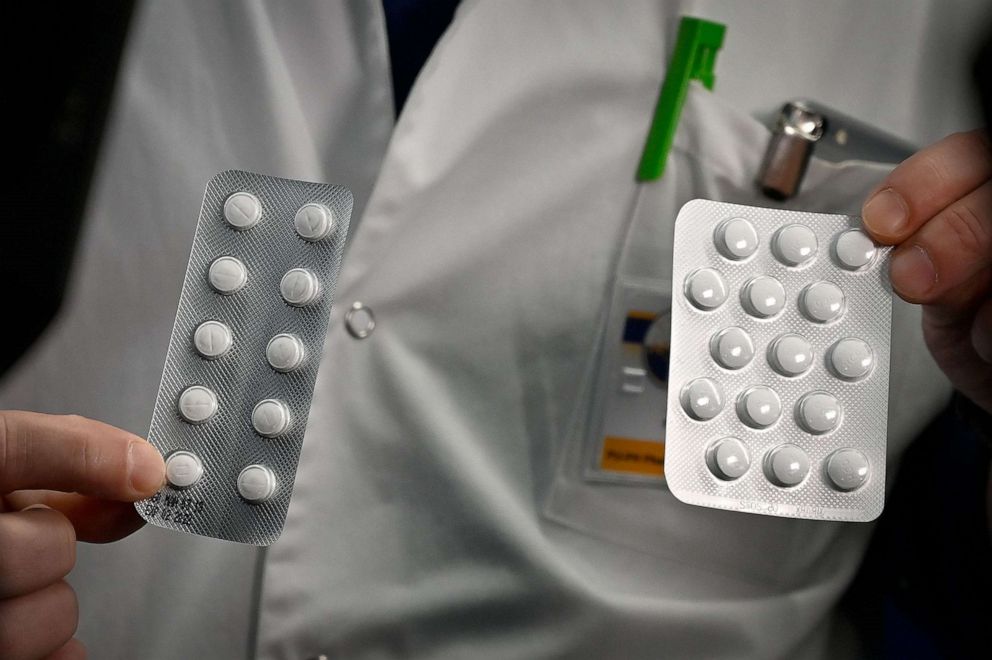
pixel 778 382
pixel 239 375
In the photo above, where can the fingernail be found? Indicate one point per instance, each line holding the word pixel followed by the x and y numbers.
pixel 146 469
pixel 912 272
pixel 886 213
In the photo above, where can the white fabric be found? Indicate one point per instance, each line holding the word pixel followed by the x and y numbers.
pixel 486 253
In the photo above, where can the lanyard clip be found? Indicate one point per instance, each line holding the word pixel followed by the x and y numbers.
pixel 694 59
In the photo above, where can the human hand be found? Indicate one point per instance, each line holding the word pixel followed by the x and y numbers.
pixel 936 208
pixel 90 472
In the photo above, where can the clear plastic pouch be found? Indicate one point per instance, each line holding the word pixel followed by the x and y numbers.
pixel 625 433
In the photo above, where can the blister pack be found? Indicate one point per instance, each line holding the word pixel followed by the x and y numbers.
pixel 239 375
pixel 779 365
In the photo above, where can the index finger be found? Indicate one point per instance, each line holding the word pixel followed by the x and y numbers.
pixel 926 183
pixel 74 454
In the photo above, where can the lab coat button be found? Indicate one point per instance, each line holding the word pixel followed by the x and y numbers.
pixel 359 320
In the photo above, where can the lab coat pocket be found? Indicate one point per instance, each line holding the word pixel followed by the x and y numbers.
pixel 609 480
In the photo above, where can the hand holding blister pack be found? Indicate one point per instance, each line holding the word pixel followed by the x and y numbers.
pixel 778 381
pixel 235 394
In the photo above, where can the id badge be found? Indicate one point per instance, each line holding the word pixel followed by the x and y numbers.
pixel 626 433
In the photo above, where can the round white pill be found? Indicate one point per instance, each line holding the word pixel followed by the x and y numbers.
pixel 732 348
pixel 759 407
pixel 794 245
pixel 702 399
pixel 212 339
pixel 256 483
pixel 242 210
pixel 197 404
pixel 818 412
pixel 299 287
pixel 227 275
pixel 314 221
pixel 270 418
pixel 786 465
pixel 854 249
pixel 851 359
pixel 728 459
pixel 763 297
pixel 705 288
pixel 790 355
pixel 847 469
pixel 736 239
pixel 285 352
pixel 183 469
pixel 822 302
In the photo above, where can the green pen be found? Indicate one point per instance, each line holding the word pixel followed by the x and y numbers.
pixel 694 59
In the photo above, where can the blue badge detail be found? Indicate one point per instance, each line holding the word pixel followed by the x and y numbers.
pixel 652 332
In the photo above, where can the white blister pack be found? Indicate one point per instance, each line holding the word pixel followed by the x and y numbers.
pixel 239 375
pixel 778 381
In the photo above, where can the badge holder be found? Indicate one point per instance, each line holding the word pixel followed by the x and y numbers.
pixel 625 438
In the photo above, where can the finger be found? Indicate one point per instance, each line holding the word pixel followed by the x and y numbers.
pixel 957 306
pixel 37 548
pixel 73 650
pixel 72 453
pixel 38 623
pixel 946 252
pixel 926 183
pixel 95 520
pixel 981 332
pixel 948 330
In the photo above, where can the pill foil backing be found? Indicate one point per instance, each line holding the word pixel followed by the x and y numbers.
pixel 864 402
pixel 227 443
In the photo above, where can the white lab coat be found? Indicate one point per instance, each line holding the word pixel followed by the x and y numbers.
pixel 431 517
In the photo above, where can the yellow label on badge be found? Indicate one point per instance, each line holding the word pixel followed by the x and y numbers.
pixel 633 456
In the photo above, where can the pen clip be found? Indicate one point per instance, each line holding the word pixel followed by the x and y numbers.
pixel 694 59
